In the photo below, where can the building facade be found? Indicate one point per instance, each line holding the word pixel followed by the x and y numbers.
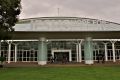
pixel 75 38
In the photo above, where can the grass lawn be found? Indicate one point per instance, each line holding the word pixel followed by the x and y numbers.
pixel 61 73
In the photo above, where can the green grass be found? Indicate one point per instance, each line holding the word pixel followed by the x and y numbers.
pixel 61 73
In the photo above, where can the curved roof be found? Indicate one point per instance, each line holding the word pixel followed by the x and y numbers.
pixel 73 24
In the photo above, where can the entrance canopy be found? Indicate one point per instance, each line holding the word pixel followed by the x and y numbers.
pixel 66 28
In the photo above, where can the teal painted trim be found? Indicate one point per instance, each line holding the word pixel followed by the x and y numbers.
pixel 42 51
pixel 88 49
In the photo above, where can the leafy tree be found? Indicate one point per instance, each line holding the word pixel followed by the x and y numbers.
pixel 9 11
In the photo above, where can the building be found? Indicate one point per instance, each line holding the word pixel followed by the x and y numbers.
pixel 78 39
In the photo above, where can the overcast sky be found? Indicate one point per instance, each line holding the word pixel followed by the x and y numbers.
pixel 98 9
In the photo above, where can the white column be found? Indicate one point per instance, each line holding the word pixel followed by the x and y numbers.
pixel 70 56
pixel 15 52
pixel 113 50
pixel 9 52
pixel 80 52
pixel 106 55
pixel 77 46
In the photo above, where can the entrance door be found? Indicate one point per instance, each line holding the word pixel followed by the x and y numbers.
pixel 60 56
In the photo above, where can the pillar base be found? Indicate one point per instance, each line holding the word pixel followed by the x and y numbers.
pixel 89 62
pixel 42 62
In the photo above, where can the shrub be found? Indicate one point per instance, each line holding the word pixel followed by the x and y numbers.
pixel 2 59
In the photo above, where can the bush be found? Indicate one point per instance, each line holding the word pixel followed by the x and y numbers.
pixel 2 59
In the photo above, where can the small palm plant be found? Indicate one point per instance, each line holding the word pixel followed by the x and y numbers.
pixel 2 59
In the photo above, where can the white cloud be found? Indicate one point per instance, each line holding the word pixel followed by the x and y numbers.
pixel 100 9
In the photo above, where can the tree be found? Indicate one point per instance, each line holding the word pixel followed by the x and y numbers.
pixel 9 11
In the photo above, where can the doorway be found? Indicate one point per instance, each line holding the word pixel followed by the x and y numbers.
pixel 60 54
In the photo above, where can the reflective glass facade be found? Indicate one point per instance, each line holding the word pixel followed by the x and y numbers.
pixel 27 51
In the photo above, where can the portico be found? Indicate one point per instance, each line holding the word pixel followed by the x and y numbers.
pixel 24 53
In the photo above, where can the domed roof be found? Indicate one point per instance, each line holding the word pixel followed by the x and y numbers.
pixel 65 24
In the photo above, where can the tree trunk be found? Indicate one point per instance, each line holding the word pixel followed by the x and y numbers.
pixel 0 48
